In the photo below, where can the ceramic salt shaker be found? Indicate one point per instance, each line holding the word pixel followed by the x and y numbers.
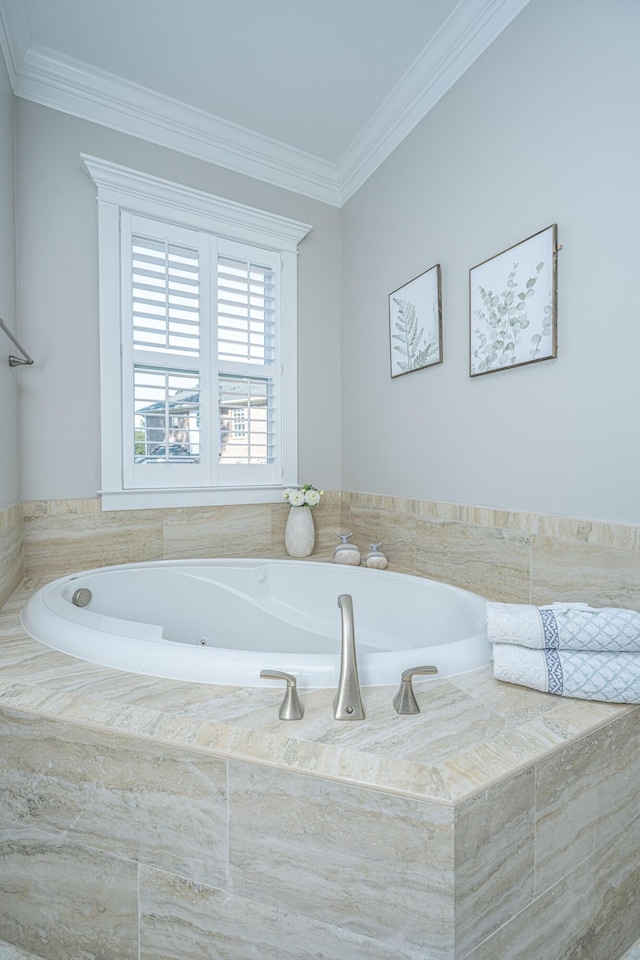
pixel 346 552
pixel 375 558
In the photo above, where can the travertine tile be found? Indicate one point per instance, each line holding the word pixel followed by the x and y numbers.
pixel 9 952
pixel 233 531
pixel 60 900
pixel 189 921
pixel 11 551
pixel 617 765
pixel 395 530
pixel 566 810
pixel 494 836
pixel 493 563
pixel 372 864
pixel 165 806
pixel 624 536
pixel 597 574
pixel 63 541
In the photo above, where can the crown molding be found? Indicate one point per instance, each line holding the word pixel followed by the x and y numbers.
pixel 71 86
pixel 463 37
pixel 15 36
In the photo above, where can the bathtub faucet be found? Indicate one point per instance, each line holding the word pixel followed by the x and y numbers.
pixel 348 703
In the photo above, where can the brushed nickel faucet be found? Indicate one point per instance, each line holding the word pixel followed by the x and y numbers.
pixel 347 704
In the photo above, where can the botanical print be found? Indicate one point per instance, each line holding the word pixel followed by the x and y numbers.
pixel 415 323
pixel 512 305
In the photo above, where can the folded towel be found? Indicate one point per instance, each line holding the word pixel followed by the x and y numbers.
pixel 564 626
pixel 587 675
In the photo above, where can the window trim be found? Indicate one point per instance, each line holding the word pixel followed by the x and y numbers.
pixel 123 189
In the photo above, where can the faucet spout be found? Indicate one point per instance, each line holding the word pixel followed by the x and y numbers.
pixel 347 704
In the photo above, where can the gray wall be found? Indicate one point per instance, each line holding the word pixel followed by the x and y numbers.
pixel 9 492
pixel 542 129
pixel 58 298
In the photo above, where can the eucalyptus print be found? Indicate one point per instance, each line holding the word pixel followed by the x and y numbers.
pixel 513 306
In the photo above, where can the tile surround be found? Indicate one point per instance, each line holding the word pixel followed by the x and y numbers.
pixel 11 550
pixel 524 805
pixel 507 556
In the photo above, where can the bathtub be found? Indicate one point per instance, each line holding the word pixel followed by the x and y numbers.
pixel 223 621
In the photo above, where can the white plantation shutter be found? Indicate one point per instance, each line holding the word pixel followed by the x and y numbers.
pixel 247 345
pixel 201 368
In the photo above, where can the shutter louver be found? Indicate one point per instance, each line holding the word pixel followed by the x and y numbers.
pixel 245 312
pixel 166 308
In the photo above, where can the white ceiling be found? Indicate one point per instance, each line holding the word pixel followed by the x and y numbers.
pixel 311 95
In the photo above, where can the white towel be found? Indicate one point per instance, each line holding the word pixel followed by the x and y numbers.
pixel 586 675
pixel 564 626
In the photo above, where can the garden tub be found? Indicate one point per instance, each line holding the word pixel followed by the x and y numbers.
pixel 222 621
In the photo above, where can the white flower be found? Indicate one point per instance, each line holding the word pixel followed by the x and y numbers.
pixel 296 498
pixel 286 493
pixel 312 497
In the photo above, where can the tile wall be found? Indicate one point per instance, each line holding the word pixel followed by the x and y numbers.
pixel 11 550
pixel 102 858
pixel 513 557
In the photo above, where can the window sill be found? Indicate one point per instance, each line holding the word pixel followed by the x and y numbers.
pixel 189 497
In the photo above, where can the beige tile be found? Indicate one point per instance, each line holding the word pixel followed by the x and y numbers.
pixel 375 865
pixel 11 552
pixel 396 530
pixel 597 532
pixel 9 952
pixel 232 531
pixel 597 574
pixel 189 921
pixel 494 836
pixel 566 810
pixel 63 541
pixel 61 900
pixel 617 764
pixel 491 562
pixel 124 796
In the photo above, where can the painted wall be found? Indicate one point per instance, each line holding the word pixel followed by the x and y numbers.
pixel 58 298
pixel 9 492
pixel 542 129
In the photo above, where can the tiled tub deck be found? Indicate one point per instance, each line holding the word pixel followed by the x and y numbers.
pixel 150 818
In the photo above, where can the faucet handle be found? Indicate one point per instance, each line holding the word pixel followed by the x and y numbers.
pixel 291 708
pixel 405 701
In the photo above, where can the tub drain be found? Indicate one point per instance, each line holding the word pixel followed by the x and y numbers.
pixel 81 597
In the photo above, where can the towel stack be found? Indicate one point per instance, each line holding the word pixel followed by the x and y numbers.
pixel 567 648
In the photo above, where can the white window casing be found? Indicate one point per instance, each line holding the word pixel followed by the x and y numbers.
pixel 198 344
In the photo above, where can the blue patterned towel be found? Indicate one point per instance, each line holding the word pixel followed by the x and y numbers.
pixel 587 675
pixel 564 626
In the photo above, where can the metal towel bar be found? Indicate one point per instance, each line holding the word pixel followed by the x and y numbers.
pixel 16 361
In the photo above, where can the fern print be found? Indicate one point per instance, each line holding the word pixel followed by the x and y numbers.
pixel 411 348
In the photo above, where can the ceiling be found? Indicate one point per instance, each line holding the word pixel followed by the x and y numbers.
pixel 311 95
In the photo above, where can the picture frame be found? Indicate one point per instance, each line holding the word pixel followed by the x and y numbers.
pixel 415 323
pixel 513 305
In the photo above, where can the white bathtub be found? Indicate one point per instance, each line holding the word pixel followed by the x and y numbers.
pixel 223 621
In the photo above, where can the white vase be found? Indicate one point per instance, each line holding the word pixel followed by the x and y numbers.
pixel 299 535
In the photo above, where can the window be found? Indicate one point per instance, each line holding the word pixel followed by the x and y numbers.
pixel 198 345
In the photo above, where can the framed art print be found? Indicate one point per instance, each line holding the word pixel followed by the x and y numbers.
pixel 415 323
pixel 513 305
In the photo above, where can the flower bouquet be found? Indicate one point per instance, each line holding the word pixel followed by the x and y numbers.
pixel 304 496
